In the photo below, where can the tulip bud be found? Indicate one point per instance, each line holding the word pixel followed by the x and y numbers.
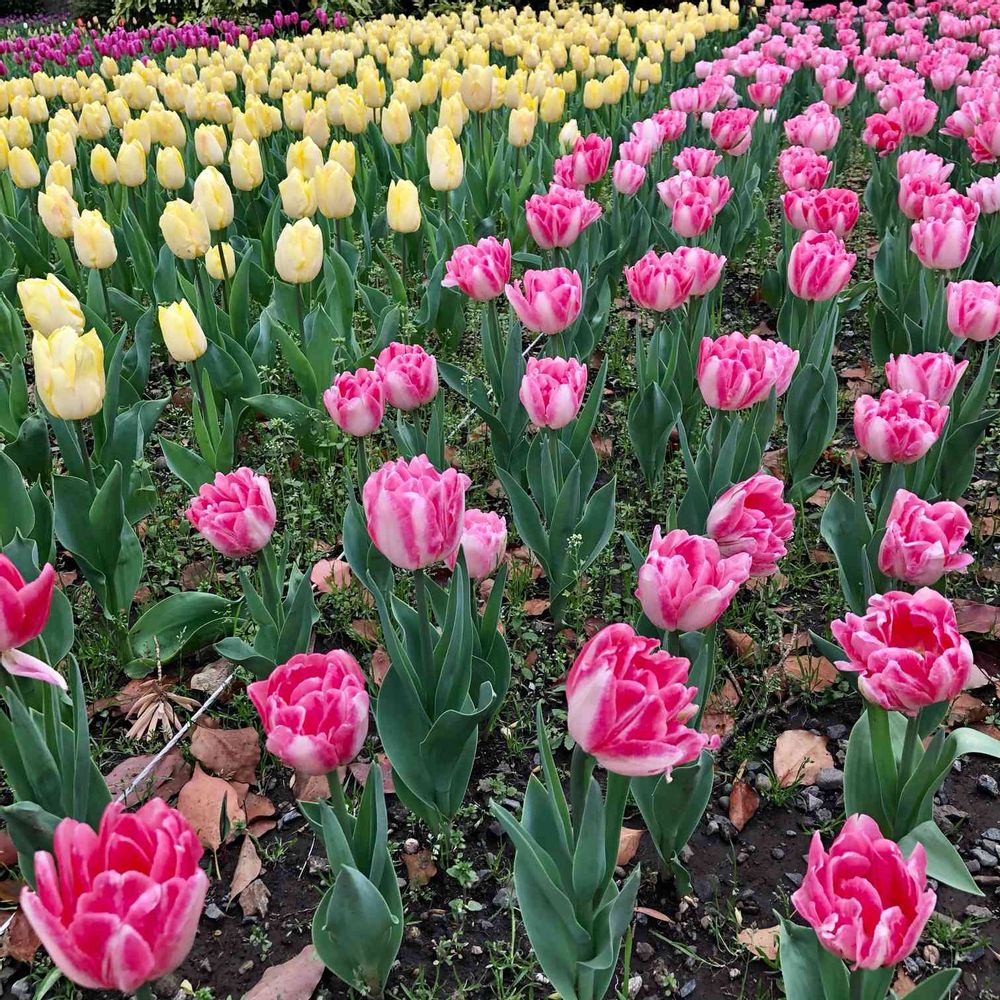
pixel 553 104
pixel 170 168
pixel 213 197
pixel 131 163
pixel 69 372
pixel 334 191
pixel 59 174
pixel 210 145
pixel 103 166
pixel 58 211
pixel 568 135
pixel 214 262
pixel 396 125
pixel 185 229
pixel 342 151
pixel 298 255
pixel 61 147
pixel 477 87
pixel 521 127
pixel 182 333
pixel 48 305
pixel 403 207
pixel 93 240
pixel 245 165
pixel 444 160
pixel 298 195
pixel 452 114
pixel 24 170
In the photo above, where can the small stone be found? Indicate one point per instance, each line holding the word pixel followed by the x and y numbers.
pixel 723 801
pixel 411 845
pixel 830 779
pixel 212 912
pixel 476 950
pixel 795 878
pixel 686 853
pixel 993 833
pixel 705 922
pixel 634 985
pixel 413 933
pixel 986 859
pixel 763 782
pixel 246 966
pixel 644 951
pixel 812 802
pixel 688 988
pixel 502 899
pixel 318 865
pixel 973 955
pixel 22 989
pixel 978 912
pixel 837 732
pixel 205 966
pixel 777 853
pixel 974 867
pixel 824 815
pixel 289 817
pixel 988 784
pixel 931 954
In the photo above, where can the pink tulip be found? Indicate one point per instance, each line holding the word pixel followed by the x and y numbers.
pixel 921 162
pixel 827 210
pixel 923 541
pixel 552 391
pixel 735 372
pixel 628 704
pixel 914 190
pixel 906 650
pixel 672 121
pixel 934 375
pixel 315 711
pixel 409 374
pixel 414 513
pixel 867 903
pixel 817 129
pixel 484 542
pixel 984 143
pixel 697 160
pixel 638 151
pixel 753 517
pixel 235 513
pixel 898 426
pixel 650 131
pixel 819 267
pixel 548 301
pixel 659 283
pixel 627 177
pixel 556 219
pixel 764 93
pixel 801 167
pixel 591 157
pixel 692 215
pixel 838 93
pixel 942 244
pixel 480 270
pixel 119 908
pixel 356 401
pixel 705 267
pixel 883 132
pixel 986 194
pixel 562 172
pixel 24 613
pixel 686 583
pixel 916 115
pixel 973 309
pixel 732 130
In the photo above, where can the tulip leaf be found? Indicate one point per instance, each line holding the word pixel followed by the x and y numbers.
pixel 944 863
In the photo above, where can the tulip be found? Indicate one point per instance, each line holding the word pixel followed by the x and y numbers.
pixel 59 175
pixel 883 132
pixel 210 145
pixel 819 267
pixel 686 583
pixel 697 161
pixel 480 270
pixel 103 167
pixel 119 908
pixel 923 541
pixel 23 169
pixel 867 903
pixel 170 168
pixel 396 127
pixel 409 374
pixel 356 401
pixel 705 267
pixel 732 130
pixel 557 218
pixel 414 513
pixel 484 543
pixel 628 704
pixel 235 513
pixel 403 207
pixel 753 517
pixel 973 309
pixel 906 650
pixel 521 127
pixel 692 215
pixel 800 167
pixel 298 254
pixel 220 262
pixel 942 244
pixel 546 301
pixel 182 333
pixel 627 177
pixel 61 147
pixel 659 282
pixel 213 197
pixel 304 156
pixel 93 240
pixel 48 304
pixel 298 195
pixel 898 426
pixel 985 192
pixel 568 135
pixel 315 711
pixel 477 87
pixel 245 165
pixel 58 211
pixel 934 375
pixel 69 372
pixel 131 163
pixel 342 151
pixel 444 160
pixel 735 372
pixel 185 229
pixel 24 613
pixel 591 158
pixel 552 391
pixel 817 129
pixel 334 191
pixel 914 190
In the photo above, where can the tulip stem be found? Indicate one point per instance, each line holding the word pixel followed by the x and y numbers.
pixel 81 437
pixel 300 313
pixel 907 759
pixel 425 669
pixel 338 801
pixel 104 292
pixel 225 274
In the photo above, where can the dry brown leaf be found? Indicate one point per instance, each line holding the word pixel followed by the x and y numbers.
pixel 718 719
pixel 648 911
pixel 312 787
pixel 420 867
pixel 169 776
pixel 380 665
pixel 257 807
pixel 359 771
pixel 775 462
pixel 19 941
pixel 254 899
pixel 743 645
pixel 761 942
pixel 977 678
pixel 602 446
pixel 200 803
pixel 965 709
pixel 295 979
pixel 232 754
pixel 194 574
pixel 799 756
pixel 822 557
pixel 743 803
pixel 814 673
pixel 902 985
pixel 535 607
pixel 974 617
pixel 10 890
pixel 628 844
pixel 366 630
pixel 819 499
pixel 248 867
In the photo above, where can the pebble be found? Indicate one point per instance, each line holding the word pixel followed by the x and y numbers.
pixel 318 865
pixel 246 966
pixel 212 912
pixel 763 782
pixel 289 817
pixel 795 878
pixel 777 853
pixel 830 779
pixel 22 989
pixel 812 802
pixel 634 985
pixel 644 951
pixel 837 732
pixel 502 899
pixel 993 833
pixel 411 845
pixel 986 859
pixel 978 912
pixel 688 988
pixel 988 784
pixel 932 955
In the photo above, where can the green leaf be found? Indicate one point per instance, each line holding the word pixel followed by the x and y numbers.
pixel 944 863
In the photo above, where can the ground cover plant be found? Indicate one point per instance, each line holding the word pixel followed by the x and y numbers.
pixel 501 503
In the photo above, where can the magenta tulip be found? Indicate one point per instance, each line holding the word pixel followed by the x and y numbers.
pixel 356 401
pixel 484 543
pixel 819 267
pixel 898 426
pixel 659 282
pixel 935 375
pixel 409 375
pixel 557 219
pixel 546 301
pixel 235 513
pixel 923 541
pixel 480 270
pixel 735 372
pixel 24 613
pixel 753 517
pixel 552 391
pixel 973 309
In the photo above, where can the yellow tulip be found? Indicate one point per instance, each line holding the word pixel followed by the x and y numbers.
pixel 568 135
pixel 444 160
pixel 403 207
pixel 185 229
pixel 69 372
pixel 93 240
pixel 298 254
pixel 59 174
pixel 95 122
pixel 334 190
pixel 245 165
pixel 304 156
pixel 553 104
pixel 58 211
pixel 342 151
pixel 61 147
pixel 210 145
pixel 4 150
pixel 131 163
pixel 452 114
pixel 214 261
pixel 298 195
pixel 24 170
pixel 170 168
pixel 212 195
pixel 593 95
pixel 521 127
pixel 103 166
pixel 18 131
pixel 477 87
pixel 355 112
pixel 182 333
pixel 396 125
pixel 48 304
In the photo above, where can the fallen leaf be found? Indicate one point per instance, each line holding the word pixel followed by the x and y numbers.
pixel 820 498
pixel 761 942
pixel 903 986
pixel 254 899
pixel 648 911
pixel 814 673
pixel 602 446
pixel 211 676
pixel 10 890
pixel 762 329
pixel 718 719
pixel 973 617
pixel 743 646
pixel 965 709
pixel 775 462
pixel 295 979
pixel 310 788
pixel 366 630
pixel 535 607
pixel 167 778
pixel 19 942
pixel 977 678
pixel 628 844
pixel 591 626
pixel 822 557
pixel 420 867
pixel 200 803
pixel 232 754
pixel 257 807
pixel 8 853
pixel 380 665
pixel 743 803
pixel 194 574
pixel 248 867
pixel 799 756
